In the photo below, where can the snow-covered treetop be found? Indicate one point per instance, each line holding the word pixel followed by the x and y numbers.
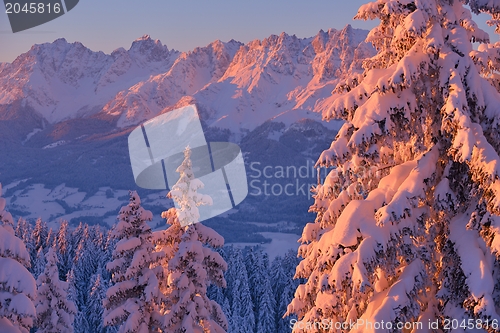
pixel 131 217
pixel 185 194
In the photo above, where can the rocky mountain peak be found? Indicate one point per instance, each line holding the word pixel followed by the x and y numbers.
pixel 149 49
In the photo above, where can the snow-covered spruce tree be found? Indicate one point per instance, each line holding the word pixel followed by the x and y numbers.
pixel 266 308
pixel 195 264
pixel 39 264
pixel 86 261
pixel 39 236
pixel 95 310
pixel 167 243
pixel 240 296
pixel 408 223
pixel 287 288
pixel 256 265
pixel 55 312
pixel 132 301
pixel 63 250
pixel 17 285
pixel 24 231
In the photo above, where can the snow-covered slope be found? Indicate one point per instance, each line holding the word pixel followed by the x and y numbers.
pixel 191 72
pixel 62 80
pixel 235 85
pixel 241 86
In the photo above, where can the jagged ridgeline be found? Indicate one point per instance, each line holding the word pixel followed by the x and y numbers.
pixel 66 112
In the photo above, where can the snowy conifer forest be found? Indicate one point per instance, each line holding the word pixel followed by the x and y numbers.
pixel 133 279
pixel 407 230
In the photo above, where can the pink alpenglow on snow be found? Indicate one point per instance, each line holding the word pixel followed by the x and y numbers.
pixel 17 285
pixel 132 303
pixel 408 221
pixel 55 312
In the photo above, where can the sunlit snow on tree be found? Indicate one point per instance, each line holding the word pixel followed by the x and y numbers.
pixel 55 312
pixel 17 285
pixel 132 301
pixel 408 225
pixel 193 264
pixel 185 193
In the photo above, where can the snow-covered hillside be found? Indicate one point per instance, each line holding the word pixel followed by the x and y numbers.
pixel 241 86
pixel 236 86
pixel 62 80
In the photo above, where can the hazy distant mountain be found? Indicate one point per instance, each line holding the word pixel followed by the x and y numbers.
pixel 66 111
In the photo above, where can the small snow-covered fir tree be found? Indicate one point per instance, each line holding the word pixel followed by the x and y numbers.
pixel 39 236
pixel 266 308
pixel 408 222
pixel 167 243
pixel 240 297
pixel 132 301
pixel 95 310
pixel 39 264
pixel 63 250
pixel 195 264
pixel 85 264
pixel 17 285
pixel 55 312
pixel 185 193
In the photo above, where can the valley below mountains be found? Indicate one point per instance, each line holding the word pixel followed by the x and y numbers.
pixel 66 112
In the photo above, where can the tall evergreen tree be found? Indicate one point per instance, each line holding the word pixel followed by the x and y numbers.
pixel 266 320
pixel 55 312
pixel 95 309
pixel 23 230
pixel 407 222
pixel 132 301
pixel 257 273
pixel 167 244
pixel 243 318
pixel 84 266
pixel 195 264
pixel 189 272
pixel 81 324
pixel 17 286
pixel 64 250
pixel 226 309
pixel 51 238
pixel 39 236
pixel 39 264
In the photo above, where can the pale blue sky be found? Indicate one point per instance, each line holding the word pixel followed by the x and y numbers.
pixel 182 24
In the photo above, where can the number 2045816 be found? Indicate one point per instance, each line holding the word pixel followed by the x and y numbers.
pixel 32 8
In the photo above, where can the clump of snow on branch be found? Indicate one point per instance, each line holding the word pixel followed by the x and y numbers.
pixel 55 312
pixel 408 221
pixel 17 285
pixel 132 302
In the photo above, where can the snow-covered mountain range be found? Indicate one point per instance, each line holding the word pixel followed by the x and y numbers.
pixel 65 111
